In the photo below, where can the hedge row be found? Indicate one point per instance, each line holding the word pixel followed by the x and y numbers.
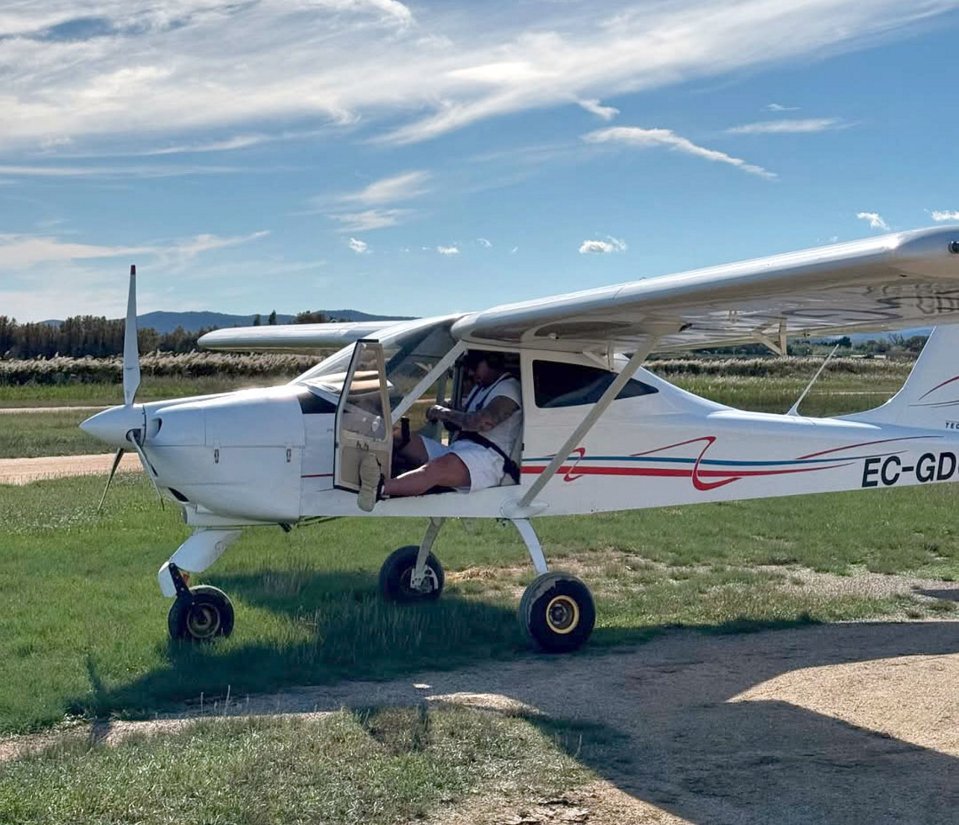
pixel 774 367
pixel 62 370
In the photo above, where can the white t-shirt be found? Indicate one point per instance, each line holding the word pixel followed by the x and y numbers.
pixel 504 434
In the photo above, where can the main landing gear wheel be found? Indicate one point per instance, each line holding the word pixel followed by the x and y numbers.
pixel 202 616
pixel 396 576
pixel 557 612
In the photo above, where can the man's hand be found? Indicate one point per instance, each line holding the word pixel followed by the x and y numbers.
pixel 481 421
pixel 437 413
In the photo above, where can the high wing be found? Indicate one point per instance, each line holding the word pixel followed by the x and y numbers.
pixel 893 281
pixel 301 338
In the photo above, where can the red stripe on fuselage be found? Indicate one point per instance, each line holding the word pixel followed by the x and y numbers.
pixel 671 473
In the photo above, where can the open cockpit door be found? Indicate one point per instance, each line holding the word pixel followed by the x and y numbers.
pixel 363 422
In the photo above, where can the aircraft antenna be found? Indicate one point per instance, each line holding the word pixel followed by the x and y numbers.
pixel 794 409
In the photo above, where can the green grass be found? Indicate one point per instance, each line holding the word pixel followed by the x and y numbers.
pixel 833 394
pixel 152 388
pixel 25 435
pixel 84 628
pixel 385 766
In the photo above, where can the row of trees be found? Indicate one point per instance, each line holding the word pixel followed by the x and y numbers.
pixel 99 337
pixel 84 335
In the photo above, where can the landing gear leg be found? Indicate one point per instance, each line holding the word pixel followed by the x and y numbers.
pixel 557 610
pixel 199 613
pixel 412 573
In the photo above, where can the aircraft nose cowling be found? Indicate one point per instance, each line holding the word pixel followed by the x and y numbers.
pixel 237 454
pixel 112 425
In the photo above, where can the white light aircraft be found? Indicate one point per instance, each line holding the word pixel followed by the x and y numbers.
pixel 600 433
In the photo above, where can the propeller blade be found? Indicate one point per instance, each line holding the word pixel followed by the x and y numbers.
pixel 113 470
pixel 131 353
pixel 147 467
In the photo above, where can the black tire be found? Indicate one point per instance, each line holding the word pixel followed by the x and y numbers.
pixel 208 613
pixel 397 572
pixel 557 612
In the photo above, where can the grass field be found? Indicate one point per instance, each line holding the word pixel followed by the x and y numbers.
pixel 27 435
pixel 98 393
pixel 85 630
pixel 388 765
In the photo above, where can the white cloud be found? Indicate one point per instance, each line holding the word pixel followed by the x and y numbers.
pixel 938 215
pixel 27 251
pixel 448 250
pixel 370 219
pixel 774 127
pixel 596 247
pixel 875 220
pixel 191 247
pixel 777 107
pixel 389 190
pixel 225 145
pixel 401 187
pixel 514 250
pixel 484 243
pixel 154 69
pixel 358 246
pixel 646 138
pixel 596 108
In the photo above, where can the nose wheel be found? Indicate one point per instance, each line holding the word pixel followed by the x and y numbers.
pixel 557 612
pixel 201 614
pixel 399 581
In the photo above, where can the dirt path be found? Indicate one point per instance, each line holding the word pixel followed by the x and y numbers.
pixel 851 723
pixel 27 470
pixel 17 410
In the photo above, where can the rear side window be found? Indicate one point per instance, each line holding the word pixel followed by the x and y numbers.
pixel 573 385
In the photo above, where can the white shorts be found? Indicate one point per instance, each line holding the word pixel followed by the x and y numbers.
pixel 485 466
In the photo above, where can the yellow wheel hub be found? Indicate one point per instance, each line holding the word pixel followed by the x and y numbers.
pixel 562 615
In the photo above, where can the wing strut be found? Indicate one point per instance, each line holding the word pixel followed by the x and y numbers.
pixel 562 454
pixel 779 346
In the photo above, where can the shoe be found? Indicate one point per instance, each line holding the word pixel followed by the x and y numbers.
pixel 371 482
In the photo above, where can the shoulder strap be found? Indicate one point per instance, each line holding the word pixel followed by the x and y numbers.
pixel 486 395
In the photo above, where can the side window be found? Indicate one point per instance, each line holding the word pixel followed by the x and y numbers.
pixel 572 385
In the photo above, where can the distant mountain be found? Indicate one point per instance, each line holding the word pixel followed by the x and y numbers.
pixel 164 322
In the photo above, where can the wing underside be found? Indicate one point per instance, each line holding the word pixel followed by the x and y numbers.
pixel 908 279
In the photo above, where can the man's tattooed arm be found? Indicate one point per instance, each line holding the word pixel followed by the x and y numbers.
pixel 481 421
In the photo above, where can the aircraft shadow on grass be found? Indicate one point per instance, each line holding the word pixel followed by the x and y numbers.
pixel 343 630
pixel 677 742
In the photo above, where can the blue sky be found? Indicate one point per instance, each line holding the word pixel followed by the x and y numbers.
pixel 422 158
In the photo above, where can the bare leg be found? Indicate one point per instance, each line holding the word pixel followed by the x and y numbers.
pixel 415 450
pixel 446 471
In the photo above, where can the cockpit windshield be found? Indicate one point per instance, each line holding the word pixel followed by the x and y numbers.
pixel 410 352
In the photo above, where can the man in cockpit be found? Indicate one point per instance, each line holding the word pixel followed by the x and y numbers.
pixel 483 436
